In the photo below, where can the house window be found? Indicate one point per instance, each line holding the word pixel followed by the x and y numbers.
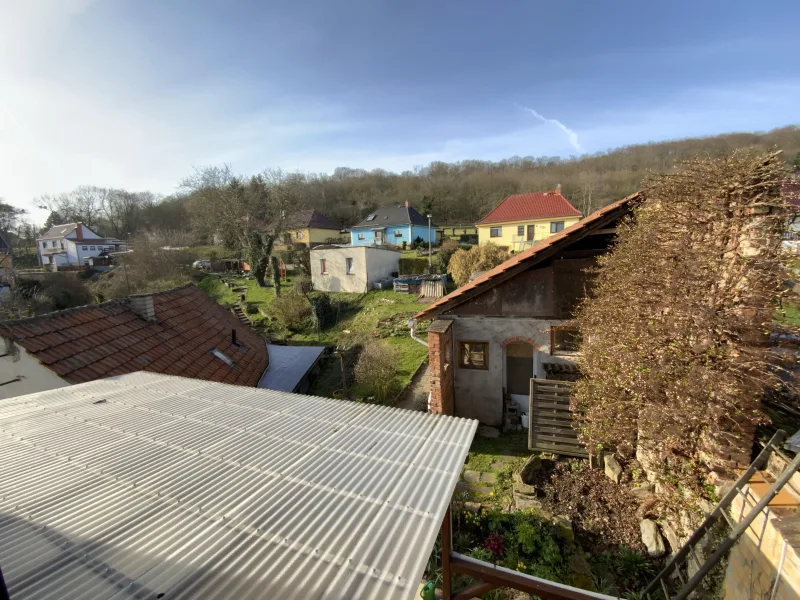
pixel 361 236
pixel 91 247
pixel 349 264
pixel 323 266
pixel 496 232
pixel 398 233
pixel 556 226
pixel 473 355
pixel 564 340
pixel 299 235
pixel 84 247
pixel 520 230
pixel 44 244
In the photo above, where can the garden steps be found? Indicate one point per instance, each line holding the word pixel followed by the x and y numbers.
pixel 474 488
pixel 239 313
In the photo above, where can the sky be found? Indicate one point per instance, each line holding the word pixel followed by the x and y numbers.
pixel 137 93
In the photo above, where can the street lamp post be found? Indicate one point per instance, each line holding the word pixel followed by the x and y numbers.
pixel 430 256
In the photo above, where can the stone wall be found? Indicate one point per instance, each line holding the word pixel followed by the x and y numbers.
pixel 440 361
pixel 764 563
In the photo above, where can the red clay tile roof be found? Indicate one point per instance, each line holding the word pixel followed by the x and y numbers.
pixel 102 340
pixel 530 256
pixel 533 205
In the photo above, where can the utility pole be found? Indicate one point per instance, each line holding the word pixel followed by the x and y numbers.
pixel 430 256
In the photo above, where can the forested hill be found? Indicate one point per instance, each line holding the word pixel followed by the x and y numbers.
pixel 464 192
pixel 459 193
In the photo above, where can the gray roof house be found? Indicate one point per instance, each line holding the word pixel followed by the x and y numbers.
pixel 392 225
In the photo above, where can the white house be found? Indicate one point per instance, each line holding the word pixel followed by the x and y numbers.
pixel 351 268
pixel 74 245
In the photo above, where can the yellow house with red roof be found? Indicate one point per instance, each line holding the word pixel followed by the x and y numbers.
pixel 523 219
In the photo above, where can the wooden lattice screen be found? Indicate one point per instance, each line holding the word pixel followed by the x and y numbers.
pixel 550 427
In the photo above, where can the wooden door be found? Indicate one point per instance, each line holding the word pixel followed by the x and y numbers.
pixel 530 233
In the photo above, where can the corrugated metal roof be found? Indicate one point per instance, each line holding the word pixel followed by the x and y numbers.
pixel 146 485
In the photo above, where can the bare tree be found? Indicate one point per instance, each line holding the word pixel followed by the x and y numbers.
pixel 84 204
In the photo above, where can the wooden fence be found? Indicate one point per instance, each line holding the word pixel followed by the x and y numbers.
pixel 550 420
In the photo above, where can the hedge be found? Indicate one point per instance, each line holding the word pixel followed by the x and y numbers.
pixel 413 266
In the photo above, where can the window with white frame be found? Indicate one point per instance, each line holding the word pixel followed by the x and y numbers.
pixel 520 229
pixel 398 233
pixel 44 245
pixel 299 235
pixel 84 247
pixel 91 248
pixel 361 236
pixel 496 232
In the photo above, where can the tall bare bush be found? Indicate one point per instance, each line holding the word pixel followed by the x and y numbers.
pixel 376 369
pixel 674 358
pixel 464 263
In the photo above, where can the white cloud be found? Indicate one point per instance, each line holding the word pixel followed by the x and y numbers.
pixel 571 135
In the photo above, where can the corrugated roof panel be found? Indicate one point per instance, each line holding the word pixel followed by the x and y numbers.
pixel 147 484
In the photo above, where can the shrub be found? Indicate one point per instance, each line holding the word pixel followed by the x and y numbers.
pixel 65 291
pixel 376 368
pixel 418 243
pixel 405 244
pixel 463 263
pixel 293 310
pixel 323 309
pixel 413 266
pixel 302 285
pixel 674 362
pixel 442 259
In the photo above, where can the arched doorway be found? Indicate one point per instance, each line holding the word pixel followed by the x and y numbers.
pixel 520 368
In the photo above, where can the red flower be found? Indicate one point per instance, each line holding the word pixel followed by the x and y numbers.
pixel 494 543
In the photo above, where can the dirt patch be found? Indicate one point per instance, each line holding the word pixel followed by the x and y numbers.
pixel 603 513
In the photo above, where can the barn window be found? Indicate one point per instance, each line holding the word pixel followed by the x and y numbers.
pixel 564 340
pixel 473 355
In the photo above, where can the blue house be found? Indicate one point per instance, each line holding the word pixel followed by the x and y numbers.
pixel 392 225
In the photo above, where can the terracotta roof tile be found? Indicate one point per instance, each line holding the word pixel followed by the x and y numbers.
pixel 103 340
pixel 529 256
pixel 533 205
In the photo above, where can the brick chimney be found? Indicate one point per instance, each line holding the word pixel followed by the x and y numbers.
pixel 79 231
pixel 142 305
pixel 558 189
pixel 406 203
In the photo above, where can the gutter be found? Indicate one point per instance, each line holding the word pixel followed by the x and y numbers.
pixel 411 324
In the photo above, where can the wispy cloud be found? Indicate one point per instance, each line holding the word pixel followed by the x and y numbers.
pixel 572 136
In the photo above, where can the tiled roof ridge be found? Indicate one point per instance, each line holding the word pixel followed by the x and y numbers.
pixel 123 300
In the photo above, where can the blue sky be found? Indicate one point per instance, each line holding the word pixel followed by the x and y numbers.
pixel 135 93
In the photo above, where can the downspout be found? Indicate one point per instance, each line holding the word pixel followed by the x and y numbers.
pixel 411 325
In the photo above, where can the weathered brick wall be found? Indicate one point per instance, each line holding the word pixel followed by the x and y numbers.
pixel 766 556
pixel 441 364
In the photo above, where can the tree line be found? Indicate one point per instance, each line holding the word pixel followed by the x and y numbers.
pixel 455 193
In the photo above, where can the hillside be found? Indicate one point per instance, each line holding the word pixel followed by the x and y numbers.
pixel 464 192
pixel 456 193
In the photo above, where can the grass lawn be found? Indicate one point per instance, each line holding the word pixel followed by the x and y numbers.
pixel 205 252
pixel 789 313
pixel 357 317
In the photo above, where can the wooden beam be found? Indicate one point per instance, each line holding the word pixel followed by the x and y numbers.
pixel 447 551
pixel 502 577
pixel 606 231
pixel 476 589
